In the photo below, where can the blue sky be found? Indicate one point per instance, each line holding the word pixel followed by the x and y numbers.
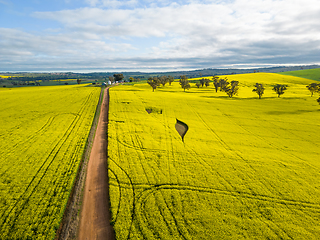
pixel 148 35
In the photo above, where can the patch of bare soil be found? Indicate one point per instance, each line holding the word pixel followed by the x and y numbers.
pixel 181 128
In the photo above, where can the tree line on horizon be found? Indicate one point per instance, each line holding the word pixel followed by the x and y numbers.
pixel 230 88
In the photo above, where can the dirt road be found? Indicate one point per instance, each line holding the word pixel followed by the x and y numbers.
pixel 95 215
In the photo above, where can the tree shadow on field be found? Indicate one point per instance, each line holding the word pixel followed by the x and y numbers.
pixel 163 90
pixel 236 98
pixel 133 90
pixel 291 112
pixel 303 98
pixel 252 98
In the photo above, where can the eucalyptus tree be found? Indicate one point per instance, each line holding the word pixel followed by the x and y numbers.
pixel 153 82
pixel 279 89
pixel 111 79
pixel 170 79
pixel 313 87
pixel 231 89
pixel 259 89
pixel 184 82
pixel 216 82
pixel 206 82
pixel 223 83
pixel 202 81
pixel 118 77
pixel 163 80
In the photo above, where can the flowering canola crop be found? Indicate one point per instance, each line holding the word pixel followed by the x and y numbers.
pixel 248 167
pixel 43 133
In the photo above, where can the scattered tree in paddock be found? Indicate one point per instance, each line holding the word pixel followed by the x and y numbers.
pixel 279 89
pixel 184 82
pixel 79 80
pixel 206 82
pixel 313 87
pixel 170 79
pixel 259 89
pixel 163 80
pixel 231 89
pixel 118 77
pixel 318 100
pixel 216 83
pixel 154 82
pixel 111 79
pixel 202 82
pixel 198 85
pixel 223 83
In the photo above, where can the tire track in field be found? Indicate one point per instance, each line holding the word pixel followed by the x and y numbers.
pixel 203 162
pixel 228 148
pixel 139 201
pixel 67 176
pixel 132 187
pixel 279 149
pixel 168 136
pixel 274 146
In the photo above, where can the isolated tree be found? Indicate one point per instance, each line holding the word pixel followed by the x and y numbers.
pixel 79 80
pixel 313 87
pixel 279 89
pixel 118 77
pixel 170 79
pixel 131 79
pixel 111 79
pixel 202 81
pixel 216 83
pixel 318 100
pixel 153 82
pixel 163 80
pixel 223 83
pixel 198 84
pixel 184 82
pixel 206 82
pixel 259 89
pixel 231 89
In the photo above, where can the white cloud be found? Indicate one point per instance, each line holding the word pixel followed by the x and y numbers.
pixel 215 31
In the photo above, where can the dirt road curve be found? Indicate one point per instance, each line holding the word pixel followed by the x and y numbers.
pixel 95 215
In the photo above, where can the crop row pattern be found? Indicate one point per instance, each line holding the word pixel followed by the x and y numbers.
pixel 42 138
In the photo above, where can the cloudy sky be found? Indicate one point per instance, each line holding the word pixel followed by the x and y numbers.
pixel 163 35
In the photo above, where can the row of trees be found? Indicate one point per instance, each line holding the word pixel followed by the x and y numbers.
pixel 279 89
pixel 118 77
pixel 230 88
pixel 155 82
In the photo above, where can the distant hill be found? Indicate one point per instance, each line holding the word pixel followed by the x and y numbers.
pixel 103 76
pixel 313 74
pixel 209 72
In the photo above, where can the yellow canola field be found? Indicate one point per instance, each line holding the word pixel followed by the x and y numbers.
pixel 248 168
pixel 43 134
